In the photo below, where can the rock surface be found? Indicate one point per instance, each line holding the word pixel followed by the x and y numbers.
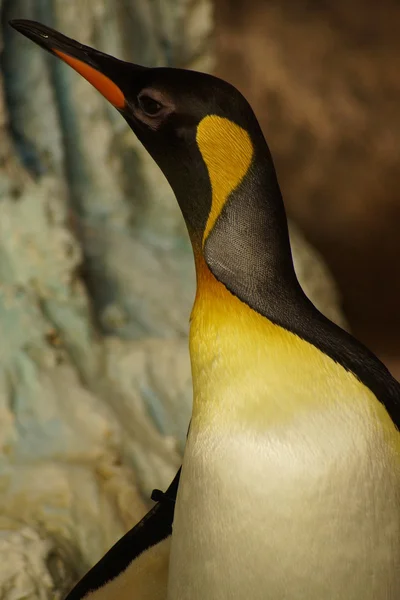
pixel 96 283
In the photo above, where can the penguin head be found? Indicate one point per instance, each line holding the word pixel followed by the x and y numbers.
pixel 203 135
pixel 195 126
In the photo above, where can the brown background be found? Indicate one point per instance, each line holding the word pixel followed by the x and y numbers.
pixel 324 79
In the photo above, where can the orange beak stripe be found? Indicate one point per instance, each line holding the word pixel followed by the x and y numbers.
pixel 103 84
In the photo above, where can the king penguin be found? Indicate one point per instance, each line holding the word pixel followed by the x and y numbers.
pixel 290 484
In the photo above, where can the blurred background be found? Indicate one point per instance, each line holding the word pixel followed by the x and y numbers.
pixel 323 79
pixel 96 272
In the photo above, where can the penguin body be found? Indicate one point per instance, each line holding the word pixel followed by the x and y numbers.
pixel 308 504
pixel 290 487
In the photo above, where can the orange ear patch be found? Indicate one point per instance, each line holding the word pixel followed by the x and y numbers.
pixel 103 84
pixel 227 151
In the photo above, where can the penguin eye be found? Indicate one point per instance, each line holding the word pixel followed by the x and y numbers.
pixel 149 106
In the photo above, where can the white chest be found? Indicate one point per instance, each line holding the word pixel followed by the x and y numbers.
pixel 307 512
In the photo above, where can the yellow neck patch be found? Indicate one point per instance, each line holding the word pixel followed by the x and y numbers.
pixel 227 151
pixel 252 374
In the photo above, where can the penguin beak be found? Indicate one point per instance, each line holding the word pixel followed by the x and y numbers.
pixel 104 72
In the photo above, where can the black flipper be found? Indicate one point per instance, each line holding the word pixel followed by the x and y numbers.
pixel 152 529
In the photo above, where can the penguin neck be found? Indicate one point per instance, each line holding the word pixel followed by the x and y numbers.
pixel 247 292
pixel 246 244
pixel 247 295
pixel 245 240
pixel 227 338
